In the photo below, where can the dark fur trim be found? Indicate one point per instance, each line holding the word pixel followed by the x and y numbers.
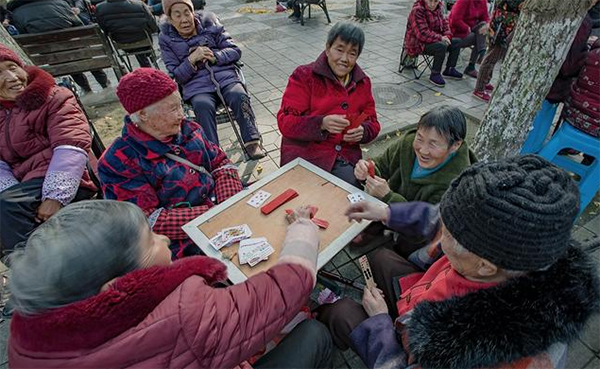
pixel 39 86
pixel 520 318
pixel 106 315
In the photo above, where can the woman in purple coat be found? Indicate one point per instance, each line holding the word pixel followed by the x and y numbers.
pixel 193 45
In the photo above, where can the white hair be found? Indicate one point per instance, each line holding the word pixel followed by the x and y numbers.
pixel 74 253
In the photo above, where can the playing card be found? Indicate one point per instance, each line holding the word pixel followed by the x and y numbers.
pixel 261 254
pixel 258 198
pixel 231 235
pixel 217 241
pixel 253 251
pixel 367 273
pixel 356 197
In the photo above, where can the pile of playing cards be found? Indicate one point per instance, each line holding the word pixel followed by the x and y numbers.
pixel 231 235
pixel 254 250
pixel 356 197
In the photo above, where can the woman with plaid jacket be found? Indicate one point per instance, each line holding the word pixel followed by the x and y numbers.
pixel 163 162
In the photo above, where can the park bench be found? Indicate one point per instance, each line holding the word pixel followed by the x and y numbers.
pixel 71 50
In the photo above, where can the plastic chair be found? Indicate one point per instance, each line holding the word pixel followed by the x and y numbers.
pixel 569 137
pixel 539 129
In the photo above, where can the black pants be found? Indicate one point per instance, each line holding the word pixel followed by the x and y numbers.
pixel 83 82
pixel 306 346
pixel 438 51
pixel 344 170
pixel 18 206
pixel 344 315
pixel 475 39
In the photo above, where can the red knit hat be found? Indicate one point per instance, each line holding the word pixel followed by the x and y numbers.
pixel 167 4
pixel 144 87
pixel 7 54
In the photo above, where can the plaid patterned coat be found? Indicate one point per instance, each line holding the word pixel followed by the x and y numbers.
pixel 425 27
pixel 135 169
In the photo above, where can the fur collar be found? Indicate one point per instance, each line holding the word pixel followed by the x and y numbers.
pixel 89 323
pixel 520 318
pixel 39 87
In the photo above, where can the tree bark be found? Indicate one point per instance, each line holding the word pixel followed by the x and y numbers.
pixel 363 10
pixel 542 39
pixel 7 40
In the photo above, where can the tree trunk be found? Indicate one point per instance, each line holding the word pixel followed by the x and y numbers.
pixel 7 40
pixel 542 39
pixel 363 10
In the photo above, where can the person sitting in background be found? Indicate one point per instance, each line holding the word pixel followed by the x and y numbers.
pixel 469 25
pixel 421 165
pixel 319 101
pixel 560 89
pixel 39 16
pixel 196 48
pixel 500 287
pixel 582 108
pixel 6 19
pixel 501 30
pixel 44 146
pixel 95 287
pixel 127 21
pixel 163 162
pixel 81 10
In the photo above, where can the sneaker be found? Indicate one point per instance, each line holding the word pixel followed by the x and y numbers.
pixel 482 95
pixel 452 73
pixel 255 151
pixel 437 79
pixel 489 87
pixel 471 72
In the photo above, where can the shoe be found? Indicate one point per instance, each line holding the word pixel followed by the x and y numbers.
pixel 255 151
pixel 489 87
pixel 452 73
pixel 437 79
pixel 471 72
pixel 482 95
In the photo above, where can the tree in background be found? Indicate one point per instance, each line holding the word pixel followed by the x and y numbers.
pixel 363 10
pixel 542 38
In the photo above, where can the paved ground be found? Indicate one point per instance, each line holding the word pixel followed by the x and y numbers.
pixel 273 46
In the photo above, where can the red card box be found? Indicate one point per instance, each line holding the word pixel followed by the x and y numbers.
pixel 371 165
pixel 286 196
pixel 355 121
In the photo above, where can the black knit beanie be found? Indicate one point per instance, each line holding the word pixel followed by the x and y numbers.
pixel 517 212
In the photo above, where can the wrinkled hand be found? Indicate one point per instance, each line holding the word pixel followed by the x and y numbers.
pixel 373 302
pixel 483 30
pixel 300 212
pixel 366 210
pixel 334 123
pixel 361 170
pixel 377 187
pixel 354 135
pixel 47 209
pixel 75 10
pixel 200 54
pixel 446 40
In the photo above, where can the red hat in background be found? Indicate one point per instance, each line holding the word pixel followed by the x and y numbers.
pixel 7 54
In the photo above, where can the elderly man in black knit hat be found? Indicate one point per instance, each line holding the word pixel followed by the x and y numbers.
pixel 499 286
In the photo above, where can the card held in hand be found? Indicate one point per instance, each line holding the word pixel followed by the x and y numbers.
pixel 367 273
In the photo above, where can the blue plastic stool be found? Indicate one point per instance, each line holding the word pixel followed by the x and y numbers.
pixel 540 128
pixel 569 137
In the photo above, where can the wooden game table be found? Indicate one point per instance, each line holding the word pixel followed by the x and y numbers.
pixel 314 186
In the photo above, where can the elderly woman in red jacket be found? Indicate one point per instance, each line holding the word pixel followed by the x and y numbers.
pixel 44 146
pixel 321 101
pixel 469 25
pixel 95 287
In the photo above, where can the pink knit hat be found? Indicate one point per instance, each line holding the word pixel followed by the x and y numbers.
pixel 7 54
pixel 144 87
pixel 167 4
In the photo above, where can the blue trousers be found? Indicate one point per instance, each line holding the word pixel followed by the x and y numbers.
pixel 205 106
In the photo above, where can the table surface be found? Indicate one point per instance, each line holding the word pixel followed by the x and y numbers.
pixel 314 187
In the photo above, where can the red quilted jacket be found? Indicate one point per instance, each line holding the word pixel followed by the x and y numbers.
pixel 312 93
pixel 45 116
pixel 164 317
pixel 424 27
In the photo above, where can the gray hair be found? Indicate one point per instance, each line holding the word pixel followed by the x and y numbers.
pixel 448 121
pixel 347 32
pixel 74 253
